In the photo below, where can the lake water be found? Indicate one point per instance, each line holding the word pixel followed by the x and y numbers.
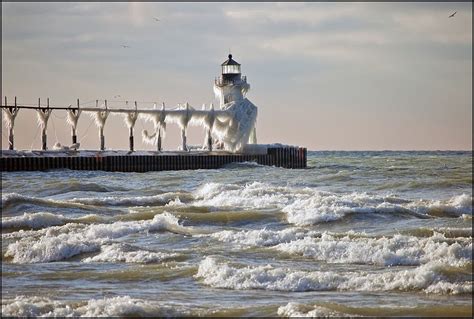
pixel 357 233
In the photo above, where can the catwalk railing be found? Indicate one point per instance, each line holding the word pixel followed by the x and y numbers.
pixel 183 115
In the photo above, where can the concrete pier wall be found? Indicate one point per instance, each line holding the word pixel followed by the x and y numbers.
pixel 287 157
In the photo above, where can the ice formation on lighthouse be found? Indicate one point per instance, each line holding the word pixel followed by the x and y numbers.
pixel 235 132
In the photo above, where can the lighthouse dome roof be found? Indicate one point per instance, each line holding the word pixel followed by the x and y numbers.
pixel 230 61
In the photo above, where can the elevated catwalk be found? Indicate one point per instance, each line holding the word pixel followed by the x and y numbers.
pixel 287 157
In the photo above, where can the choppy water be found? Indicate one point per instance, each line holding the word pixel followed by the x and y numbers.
pixel 357 233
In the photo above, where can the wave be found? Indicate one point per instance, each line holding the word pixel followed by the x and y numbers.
pixel 259 238
pixel 90 203
pixel 44 219
pixel 120 306
pixel 241 165
pixel 332 309
pixel 448 232
pixel 427 278
pixel 302 206
pixel 13 199
pixel 454 207
pixel 356 248
pixel 293 309
pixel 128 254
pixel 67 241
pixel 395 251
pixel 307 206
pixel 59 187
pixel 160 199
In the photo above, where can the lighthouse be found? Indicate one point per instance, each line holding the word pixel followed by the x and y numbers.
pixel 230 85
pixel 231 89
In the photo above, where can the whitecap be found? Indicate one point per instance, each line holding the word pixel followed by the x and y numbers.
pixel 120 306
pixel 65 242
pixel 127 254
pixel 423 278
pixel 307 206
pixel 293 309
pixel 43 219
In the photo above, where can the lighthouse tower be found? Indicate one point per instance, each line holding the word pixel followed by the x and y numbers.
pixel 230 85
pixel 230 88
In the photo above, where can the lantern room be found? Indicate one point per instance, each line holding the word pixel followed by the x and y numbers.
pixel 230 66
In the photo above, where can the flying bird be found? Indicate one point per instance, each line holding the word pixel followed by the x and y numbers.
pixel 453 14
pixel 156 19
pixel 116 96
pixel 125 46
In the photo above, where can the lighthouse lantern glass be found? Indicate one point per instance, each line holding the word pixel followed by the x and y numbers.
pixel 230 69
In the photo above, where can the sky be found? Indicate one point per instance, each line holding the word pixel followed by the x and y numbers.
pixel 326 76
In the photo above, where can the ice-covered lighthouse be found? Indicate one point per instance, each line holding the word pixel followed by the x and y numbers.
pixel 230 88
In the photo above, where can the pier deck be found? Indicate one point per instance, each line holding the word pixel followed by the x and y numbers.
pixel 287 157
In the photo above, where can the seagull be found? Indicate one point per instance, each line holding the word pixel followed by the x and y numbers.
pixel 156 19
pixel 116 96
pixel 453 14
pixel 125 46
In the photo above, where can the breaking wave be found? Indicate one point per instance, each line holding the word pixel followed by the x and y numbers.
pixel 388 251
pixel 332 309
pixel 293 309
pixel 121 306
pixel 160 200
pixel 356 248
pixel 69 240
pixel 428 278
pixel 128 254
pixel 13 199
pixel 44 219
pixel 306 206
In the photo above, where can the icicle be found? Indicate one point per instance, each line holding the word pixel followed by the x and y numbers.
pixel 73 117
pixel 158 119
pixel 149 138
pixel 43 117
pixel 10 115
pixel 182 119
pixel 9 119
pixel 130 118
pixel 100 117
pixel 253 136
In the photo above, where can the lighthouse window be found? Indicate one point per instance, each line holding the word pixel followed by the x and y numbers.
pixel 230 69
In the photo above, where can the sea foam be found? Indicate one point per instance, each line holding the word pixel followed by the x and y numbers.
pixel 62 244
pixel 44 219
pixel 293 309
pixel 127 254
pixel 387 251
pixel 357 248
pixel 306 206
pixel 120 306
pixel 427 278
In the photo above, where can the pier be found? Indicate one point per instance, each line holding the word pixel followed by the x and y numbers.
pixel 287 157
pixel 230 134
